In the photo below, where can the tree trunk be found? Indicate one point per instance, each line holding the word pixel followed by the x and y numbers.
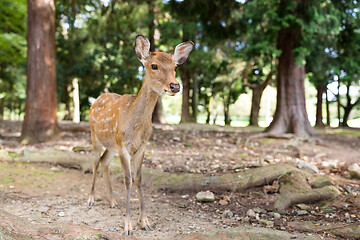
pixel 338 103
pixel 327 109
pixel 158 115
pixel 227 119
pixel 347 111
pixel 290 115
pixel 255 106
pixel 185 107
pixel 195 99
pixel 319 117
pixel 40 122
pixel 257 91
pixel 2 106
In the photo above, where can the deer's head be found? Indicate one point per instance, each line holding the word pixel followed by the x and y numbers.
pixel 160 66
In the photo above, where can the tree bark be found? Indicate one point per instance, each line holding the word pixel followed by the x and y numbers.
pixel 195 99
pixel 40 122
pixel 185 79
pixel 185 107
pixel 2 106
pixel 319 116
pixel 290 114
pixel 338 103
pixel 257 91
pixel 327 109
pixel 158 115
pixel 349 106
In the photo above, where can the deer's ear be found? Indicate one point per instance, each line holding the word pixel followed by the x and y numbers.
pixel 182 52
pixel 142 48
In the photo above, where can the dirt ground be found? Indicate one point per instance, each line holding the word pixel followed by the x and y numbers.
pixel 48 195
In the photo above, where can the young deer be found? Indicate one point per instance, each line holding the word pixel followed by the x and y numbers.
pixel 123 122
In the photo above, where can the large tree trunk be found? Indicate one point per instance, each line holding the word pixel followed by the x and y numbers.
pixel 195 99
pixel 185 79
pixel 290 115
pixel 158 115
pixel 319 116
pixel 185 107
pixel 40 123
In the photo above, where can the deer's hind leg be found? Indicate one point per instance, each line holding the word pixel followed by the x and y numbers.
pixel 105 161
pixel 97 147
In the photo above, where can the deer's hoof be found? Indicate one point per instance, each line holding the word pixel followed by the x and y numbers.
pixel 128 233
pixel 91 201
pixel 147 228
pixel 113 203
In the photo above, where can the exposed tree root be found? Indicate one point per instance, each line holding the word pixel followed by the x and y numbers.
pixel 287 199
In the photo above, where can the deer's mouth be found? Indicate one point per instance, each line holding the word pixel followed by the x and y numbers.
pixel 169 93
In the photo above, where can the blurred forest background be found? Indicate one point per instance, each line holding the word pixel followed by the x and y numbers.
pixel 252 59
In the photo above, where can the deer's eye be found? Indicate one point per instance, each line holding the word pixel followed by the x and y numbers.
pixel 175 68
pixel 154 66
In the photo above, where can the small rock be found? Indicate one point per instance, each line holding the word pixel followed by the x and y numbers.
pixel 224 166
pixel 277 215
pixel 214 166
pixel 223 202
pixel 250 213
pixel 303 206
pixel 55 169
pixel 11 187
pixel 266 223
pixel 218 141
pixel 268 157
pixel 302 212
pixel 61 214
pixel 347 215
pixel 330 163
pixel 259 210
pixel 176 139
pixel 308 167
pixel 228 214
pixel 354 167
pixel 205 197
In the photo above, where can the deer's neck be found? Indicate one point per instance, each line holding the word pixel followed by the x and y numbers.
pixel 143 107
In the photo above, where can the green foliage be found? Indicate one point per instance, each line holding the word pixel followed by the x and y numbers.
pixel 233 40
pixel 12 54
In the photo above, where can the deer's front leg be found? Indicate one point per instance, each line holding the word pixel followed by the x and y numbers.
pixel 138 160
pixel 125 164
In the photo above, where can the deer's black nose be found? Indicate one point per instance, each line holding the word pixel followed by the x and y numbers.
pixel 175 88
